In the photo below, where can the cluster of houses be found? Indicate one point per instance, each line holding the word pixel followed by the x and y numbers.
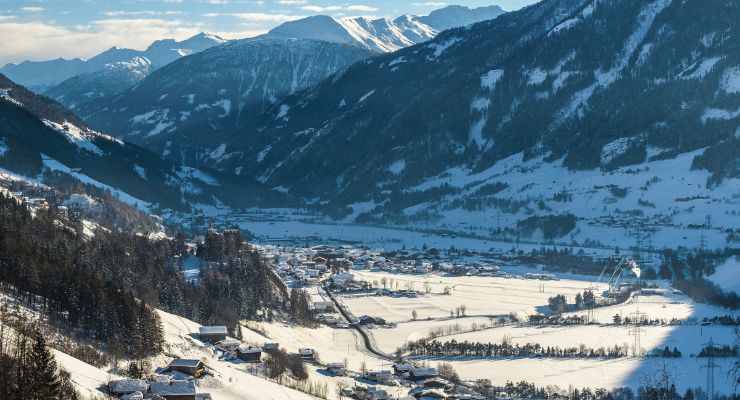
pixel 158 387
pixel 541 277
pixel 428 385
pixel 178 380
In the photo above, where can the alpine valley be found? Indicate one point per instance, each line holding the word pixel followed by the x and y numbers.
pixel 474 204
pixel 582 116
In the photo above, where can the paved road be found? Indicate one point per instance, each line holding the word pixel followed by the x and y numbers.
pixel 369 344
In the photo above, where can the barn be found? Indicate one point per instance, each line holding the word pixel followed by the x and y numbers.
pixel 194 368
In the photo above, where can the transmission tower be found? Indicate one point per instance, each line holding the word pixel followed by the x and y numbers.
pixel 710 367
pixel 637 318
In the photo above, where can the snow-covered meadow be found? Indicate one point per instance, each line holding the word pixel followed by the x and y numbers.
pixel 489 296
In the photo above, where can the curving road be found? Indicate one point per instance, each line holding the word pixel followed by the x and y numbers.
pixel 369 344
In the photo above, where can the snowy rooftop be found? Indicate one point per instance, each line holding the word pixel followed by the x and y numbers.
pixel 213 330
pixel 128 386
pixel 245 349
pixel 183 362
pixel 173 388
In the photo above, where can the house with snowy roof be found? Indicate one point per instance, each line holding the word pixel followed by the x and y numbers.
pixel 212 333
pixel 127 386
pixel 174 390
pixel 194 368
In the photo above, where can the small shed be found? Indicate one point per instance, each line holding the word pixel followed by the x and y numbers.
pixel 175 390
pixel 194 368
pixel 271 346
pixel 337 369
pixel 213 333
pixel 306 354
pixel 127 386
pixel 228 345
pixel 249 353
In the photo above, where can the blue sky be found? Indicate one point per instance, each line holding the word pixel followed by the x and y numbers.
pixel 47 29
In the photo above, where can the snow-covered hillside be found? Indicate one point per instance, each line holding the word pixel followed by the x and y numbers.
pixel 181 110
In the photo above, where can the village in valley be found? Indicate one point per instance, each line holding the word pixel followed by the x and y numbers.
pixel 315 317
pixel 442 324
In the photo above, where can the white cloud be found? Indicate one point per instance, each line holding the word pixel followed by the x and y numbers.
pixel 321 8
pixel 292 2
pixel 361 8
pixel 429 4
pixel 140 13
pixel 256 17
pixel 35 40
pixel 33 9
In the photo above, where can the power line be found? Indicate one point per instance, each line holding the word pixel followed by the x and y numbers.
pixel 637 318
pixel 711 366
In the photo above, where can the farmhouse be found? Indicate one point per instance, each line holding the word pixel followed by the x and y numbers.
pixel 430 394
pixel 435 383
pixel 379 376
pixel 418 374
pixel 368 320
pixel 323 306
pixel 194 368
pixel 127 386
pixel 175 390
pixel 249 353
pixel 337 369
pixel 213 333
pixel 401 369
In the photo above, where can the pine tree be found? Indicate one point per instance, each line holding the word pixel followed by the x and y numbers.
pixel 46 384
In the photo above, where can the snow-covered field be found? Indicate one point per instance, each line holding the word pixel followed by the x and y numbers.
pixel 484 296
pixel 594 373
pixel 667 202
pixel 481 296
pixel 727 275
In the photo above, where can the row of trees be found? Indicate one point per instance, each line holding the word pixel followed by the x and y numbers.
pixel 453 348
pixel 652 389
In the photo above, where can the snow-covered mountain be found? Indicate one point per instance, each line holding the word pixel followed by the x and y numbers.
pixel 620 87
pixel 175 110
pixel 42 75
pixel 112 79
pixel 39 137
pixel 382 34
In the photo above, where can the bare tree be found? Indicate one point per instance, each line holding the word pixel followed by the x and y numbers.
pixel 427 287
pixel 384 281
pixel 341 386
pixel 414 315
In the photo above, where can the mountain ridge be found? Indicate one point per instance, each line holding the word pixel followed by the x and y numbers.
pixel 382 34
pixel 42 75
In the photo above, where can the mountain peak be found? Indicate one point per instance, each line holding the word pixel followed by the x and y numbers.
pixel 383 34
